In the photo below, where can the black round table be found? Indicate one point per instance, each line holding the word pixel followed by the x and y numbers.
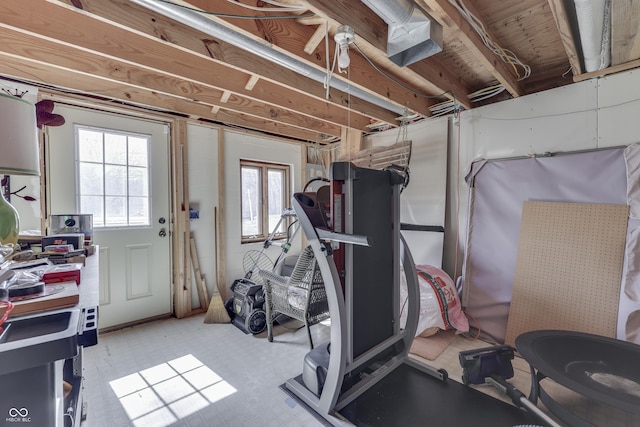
pixel 603 369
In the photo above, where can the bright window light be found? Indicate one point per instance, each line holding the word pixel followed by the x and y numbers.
pixel 113 170
pixel 265 194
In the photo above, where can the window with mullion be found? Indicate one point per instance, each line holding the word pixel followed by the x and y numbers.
pixel 113 177
pixel 265 191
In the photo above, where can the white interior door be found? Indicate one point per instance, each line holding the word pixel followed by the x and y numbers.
pixel 117 168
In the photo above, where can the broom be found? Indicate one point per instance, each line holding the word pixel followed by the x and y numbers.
pixel 217 312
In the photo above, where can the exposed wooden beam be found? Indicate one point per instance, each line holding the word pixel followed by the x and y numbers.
pixel 448 16
pixel 625 28
pixel 118 92
pixel 364 21
pixel 606 71
pixel 435 78
pixel 98 35
pixel 315 40
pixel 290 37
pixel 235 60
pixel 311 20
pixel 566 35
pixel 251 83
pixel 63 56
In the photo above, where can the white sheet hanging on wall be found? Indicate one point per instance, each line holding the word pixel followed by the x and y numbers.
pixel 632 280
pixel 423 202
pixel 500 188
pixel 632 162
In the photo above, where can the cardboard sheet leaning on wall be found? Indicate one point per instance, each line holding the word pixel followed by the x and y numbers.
pixel 498 189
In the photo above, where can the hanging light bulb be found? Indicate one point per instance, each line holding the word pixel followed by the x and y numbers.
pixel 343 57
pixel 343 37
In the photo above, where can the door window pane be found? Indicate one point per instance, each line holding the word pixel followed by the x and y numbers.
pixel 115 180
pixel 138 182
pixel 138 152
pixel 115 149
pixel 113 177
pixel 94 204
pixel 115 211
pixel 90 146
pixel 92 178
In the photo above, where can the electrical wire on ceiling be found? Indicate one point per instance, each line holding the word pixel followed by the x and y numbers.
pixel 505 54
pixel 443 108
pixel 399 83
pixel 229 15
pixel 449 107
pixel 329 67
pixel 403 135
pixel 196 20
pixel 486 93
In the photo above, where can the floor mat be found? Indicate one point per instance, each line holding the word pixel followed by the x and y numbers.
pixel 431 347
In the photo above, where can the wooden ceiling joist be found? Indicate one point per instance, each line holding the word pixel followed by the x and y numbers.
pixel 447 15
pixel 437 79
pixel 30 47
pixel 625 31
pixel 223 53
pixel 97 35
pixel 251 83
pixel 119 93
pixel 290 37
pixel 564 28
pixel 121 52
pixel 316 39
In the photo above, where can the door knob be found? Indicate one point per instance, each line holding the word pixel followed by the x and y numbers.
pixel 162 232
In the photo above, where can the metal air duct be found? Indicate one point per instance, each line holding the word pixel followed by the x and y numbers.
pixel 201 23
pixel 412 35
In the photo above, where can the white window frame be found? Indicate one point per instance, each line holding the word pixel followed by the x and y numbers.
pixel 264 198
pixel 77 128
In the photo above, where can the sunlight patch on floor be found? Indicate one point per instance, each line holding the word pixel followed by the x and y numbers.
pixel 163 394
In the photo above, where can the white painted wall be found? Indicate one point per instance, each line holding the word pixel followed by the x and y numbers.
pixel 238 146
pixel 592 114
pixel 203 196
pixel 29 212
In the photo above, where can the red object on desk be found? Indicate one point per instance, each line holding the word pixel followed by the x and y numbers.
pixel 62 273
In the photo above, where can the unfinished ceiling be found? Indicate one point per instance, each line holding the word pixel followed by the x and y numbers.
pixel 268 74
